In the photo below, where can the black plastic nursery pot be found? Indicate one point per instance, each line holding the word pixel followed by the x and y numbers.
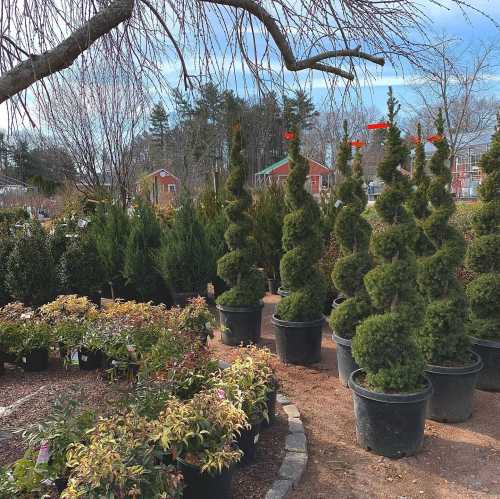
pixel 35 360
pixel 198 485
pixel 298 342
pixel 389 424
pixel 89 360
pixel 60 484
pixel 182 299
pixel 271 407
pixel 346 364
pixel 340 299
pixel 247 442
pixel 453 389
pixel 272 286
pixel 240 324
pixel 489 351
pixel 283 292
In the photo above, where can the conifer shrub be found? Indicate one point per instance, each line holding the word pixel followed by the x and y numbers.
pixel 483 256
pixel 385 344
pixel 184 256
pixel 302 242
pixel 238 266
pixel 6 245
pixel 30 274
pixel 442 335
pixel 352 232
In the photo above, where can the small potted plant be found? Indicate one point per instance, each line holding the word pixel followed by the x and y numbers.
pixel 12 317
pixel 201 434
pixel 352 232
pixel 183 258
pixel 91 348
pixel 120 460
pixel 483 258
pixel 240 307
pixel 298 318
pixel 36 338
pixel 452 367
pixel 390 390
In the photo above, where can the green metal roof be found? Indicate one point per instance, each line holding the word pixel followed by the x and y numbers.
pixel 270 168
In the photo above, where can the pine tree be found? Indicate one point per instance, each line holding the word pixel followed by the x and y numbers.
pixel 158 128
pixel 483 256
pixel 352 232
pixel 442 335
pixel 30 269
pixel 302 242
pixel 143 241
pixel 184 255
pixel 385 344
pixel 238 267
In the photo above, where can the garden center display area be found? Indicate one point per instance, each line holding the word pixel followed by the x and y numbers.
pixel 376 373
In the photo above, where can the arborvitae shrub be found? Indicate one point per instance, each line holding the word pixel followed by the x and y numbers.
pixel 139 268
pixel 352 232
pixel 184 255
pixel 268 213
pixel 442 335
pixel 302 242
pixel 238 267
pixel 30 269
pixel 385 344
pixel 483 256
pixel 80 270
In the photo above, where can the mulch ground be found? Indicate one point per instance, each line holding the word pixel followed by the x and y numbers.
pixel 460 461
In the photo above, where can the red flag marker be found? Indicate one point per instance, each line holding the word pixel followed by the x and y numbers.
pixel 288 135
pixel 378 126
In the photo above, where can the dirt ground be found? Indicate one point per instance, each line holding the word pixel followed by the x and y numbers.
pixel 458 461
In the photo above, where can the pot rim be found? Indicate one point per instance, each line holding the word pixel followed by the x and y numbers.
pixel 485 343
pixel 390 398
pixel 341 341
pixel 251 308
pixel 198 468
pixel 291 324
pixel 473 368
pixel 340 299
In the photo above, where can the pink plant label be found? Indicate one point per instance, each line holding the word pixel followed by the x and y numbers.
pixel 43 453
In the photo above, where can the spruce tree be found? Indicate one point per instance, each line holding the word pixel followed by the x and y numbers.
pixel 30 268
pixel 302 242
pixel 442 335
pixel 483 256
pixel 238 267
pixel 143 241
pixel 184 255
pixel 385 344
pixel 158 125
pixel 352 232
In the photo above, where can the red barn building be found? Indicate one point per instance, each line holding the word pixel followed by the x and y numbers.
pixel 319 175
pixel 162 186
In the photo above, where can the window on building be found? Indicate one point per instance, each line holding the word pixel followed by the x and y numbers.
pixel 172 187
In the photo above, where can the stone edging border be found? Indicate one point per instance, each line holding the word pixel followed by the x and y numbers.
pixel 295 461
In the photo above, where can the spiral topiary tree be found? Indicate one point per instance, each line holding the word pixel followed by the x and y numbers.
pixel 483 256
pixel 302 242
pixel 352 232
pixel 385 343
pixel 357 163
pixel 442 335
pixel 238 267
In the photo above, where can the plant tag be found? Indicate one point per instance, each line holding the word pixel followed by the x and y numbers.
pixel 338 203
pixel 85 358
pixel 24 360
pixel 114 363
pixel 74 357
pixel 256 438
pixel 399 168
pixel 414 188
pixel 131 348
pixel 43 453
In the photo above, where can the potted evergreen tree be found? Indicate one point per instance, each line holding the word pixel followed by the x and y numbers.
pixel 390 392
pixel 240 307
pixel 483 258
pixel 298 319
pixel 183 258
pixel 352 232
pixel 452 368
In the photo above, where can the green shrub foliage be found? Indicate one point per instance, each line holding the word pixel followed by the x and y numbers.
pixel 184 256
pixel 80 270
pixel 442 334
pixel 352 232
pixel 143 241
pixel 385 344
pixel 6 245
pixel 30 268
pixel 238 267
pixel 483 256
pixel 268 213
pixel 302 242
